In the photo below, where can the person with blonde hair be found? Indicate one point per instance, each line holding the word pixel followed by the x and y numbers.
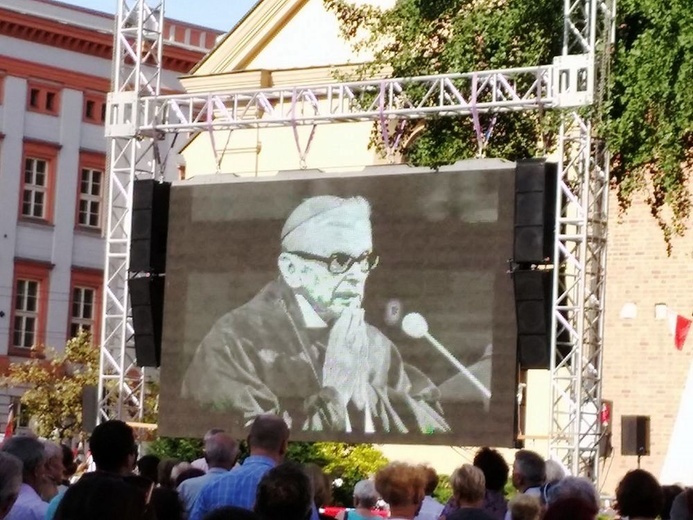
pixel 403 487
pixel 524 507
pixel 469 488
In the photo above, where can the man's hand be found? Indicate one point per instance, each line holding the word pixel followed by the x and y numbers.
pixel 325 411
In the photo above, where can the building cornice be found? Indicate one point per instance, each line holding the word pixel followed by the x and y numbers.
pixel 82 40
pixel 254 79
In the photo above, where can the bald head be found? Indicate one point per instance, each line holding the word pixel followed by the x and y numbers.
pixel 268 435
pixel 221 451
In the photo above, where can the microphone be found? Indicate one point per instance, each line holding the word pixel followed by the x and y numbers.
pixel 415 326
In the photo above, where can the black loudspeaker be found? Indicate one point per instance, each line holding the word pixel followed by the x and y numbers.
pixel 147 304
pixel 635 435
pixel 89 408
pixel 535 211
pixel 533 312
pixel 150 201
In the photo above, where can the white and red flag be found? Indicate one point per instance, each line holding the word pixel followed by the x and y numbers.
pixel 9 428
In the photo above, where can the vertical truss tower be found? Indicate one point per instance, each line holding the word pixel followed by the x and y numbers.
pixel 139 118
pixel 137 69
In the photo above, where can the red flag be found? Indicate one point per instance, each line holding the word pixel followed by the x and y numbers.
pixel 9 429
pixel 679 327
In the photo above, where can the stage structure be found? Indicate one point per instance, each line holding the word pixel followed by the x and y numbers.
pixel 141 122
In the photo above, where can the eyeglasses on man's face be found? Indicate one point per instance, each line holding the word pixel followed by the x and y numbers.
pixel 339 263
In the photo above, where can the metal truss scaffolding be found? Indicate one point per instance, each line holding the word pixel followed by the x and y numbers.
pixel 139 117
pixel 136 73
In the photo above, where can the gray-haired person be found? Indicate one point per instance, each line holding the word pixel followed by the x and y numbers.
pixel 301 348
pixel 365 499
pixel 30 452
pixel 10 481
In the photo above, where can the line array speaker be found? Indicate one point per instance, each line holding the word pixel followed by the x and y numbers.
pixel 89 408
pixel 533 311
pixel 150 202
pixel 635 435
pixel 535 211
pixel 147 304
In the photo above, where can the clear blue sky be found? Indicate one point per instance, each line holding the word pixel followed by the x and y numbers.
pixel 217 14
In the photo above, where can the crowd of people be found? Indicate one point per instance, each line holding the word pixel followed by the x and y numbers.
pixel 35 484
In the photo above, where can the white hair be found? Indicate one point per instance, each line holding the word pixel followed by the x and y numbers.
pixel 51 450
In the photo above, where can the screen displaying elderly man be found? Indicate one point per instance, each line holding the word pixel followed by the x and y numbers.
pixel 301 347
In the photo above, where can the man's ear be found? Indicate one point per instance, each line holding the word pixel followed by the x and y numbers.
pixel 289 270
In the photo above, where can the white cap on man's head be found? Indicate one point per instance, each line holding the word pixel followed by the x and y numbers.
pixel 318 215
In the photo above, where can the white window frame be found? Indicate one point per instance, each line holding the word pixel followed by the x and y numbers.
pixel 23 313
pixel 78 319
pixel 89 198
pixel 33 189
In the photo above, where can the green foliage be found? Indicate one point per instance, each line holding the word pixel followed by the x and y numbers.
pixel 184 449
pixel 54 383
pixel 418 37
pixel 650 131
pixel 348 462
pixel 646 119
pixel 443 491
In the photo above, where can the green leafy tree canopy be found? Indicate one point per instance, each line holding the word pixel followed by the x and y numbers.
pixel 54 385
pixel 647 118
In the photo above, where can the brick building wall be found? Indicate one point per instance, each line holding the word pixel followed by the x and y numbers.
pixel 643 372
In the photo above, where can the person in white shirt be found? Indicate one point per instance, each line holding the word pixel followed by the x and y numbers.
pixel 29 505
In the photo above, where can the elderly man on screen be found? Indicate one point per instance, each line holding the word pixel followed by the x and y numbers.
pixel 301 347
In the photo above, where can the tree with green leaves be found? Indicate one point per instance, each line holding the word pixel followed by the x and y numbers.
pixel 647 117
pixel 54 383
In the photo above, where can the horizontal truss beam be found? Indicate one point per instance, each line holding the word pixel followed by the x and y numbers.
pixel 560 85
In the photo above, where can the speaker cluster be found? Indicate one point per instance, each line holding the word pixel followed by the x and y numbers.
pixel 536 183
pixel 147 266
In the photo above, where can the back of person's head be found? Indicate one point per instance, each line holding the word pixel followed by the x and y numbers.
pixel 268 433
pixel 319 483
pixel 574 487
pixel 148 466
pixel 468 484
pixel 10 481
pixel 69 464
pixel 112 445
pixel 164 471
pixel 682 506
pixel 670 493
pixel 401 484
pixel 105 496
pixel 30 452
pixel 555 471
pixel 570 509
pixel 210 432
pixel 166 504
pixel 495 469
pixel 530 468
pixel 221 451
pixel 431 479
pixel 639 494
pixel 524 507
pixel 365 494
pixel 230 513
pixel 188 474
pixel 284 494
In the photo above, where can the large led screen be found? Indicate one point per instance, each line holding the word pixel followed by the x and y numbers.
pixel 364 307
